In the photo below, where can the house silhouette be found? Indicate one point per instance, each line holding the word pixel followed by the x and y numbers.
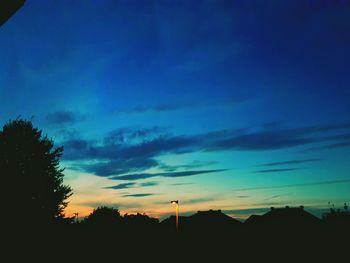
pixel 291 218
pixel 204 222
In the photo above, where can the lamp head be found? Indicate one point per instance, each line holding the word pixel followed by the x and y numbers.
pixel 174 202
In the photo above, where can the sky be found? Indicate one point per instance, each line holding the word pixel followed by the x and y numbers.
pixel 231 105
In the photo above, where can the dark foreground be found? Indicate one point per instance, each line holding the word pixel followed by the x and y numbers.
pixel 104 243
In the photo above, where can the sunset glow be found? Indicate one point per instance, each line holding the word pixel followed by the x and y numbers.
pixel 218 104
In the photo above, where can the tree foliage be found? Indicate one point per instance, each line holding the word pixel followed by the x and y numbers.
pixel 30 173
pixel 104 215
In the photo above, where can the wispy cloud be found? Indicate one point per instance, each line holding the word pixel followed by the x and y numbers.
pixel 179 184
pixel 276 170
pixel 131 185
pixel 272 139
pixel 140 176
pixel 119 166
pixel 154 108
pixel 198 200
pixel 329 146
pixel 120 186
pixel 243 196
pixel 276 196
pixel 288 162
pixel 167 107
pixel 145 184
pixel 131 150
pixel 190 201
pixel 62 117
pixel 193 165
pixel 115 158
pixel 341 181
pixel 132 134
pixel 260 141
pixel 137 195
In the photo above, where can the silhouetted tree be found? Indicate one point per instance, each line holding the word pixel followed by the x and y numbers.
pixel 140 223
pixel 104 216
pixel 32 180
pixel 141 219
pixel 337 216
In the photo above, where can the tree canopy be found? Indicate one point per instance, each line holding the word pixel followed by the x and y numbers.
pixel 104 215
pixel 31 175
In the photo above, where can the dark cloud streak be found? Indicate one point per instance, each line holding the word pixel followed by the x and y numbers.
pixel 120 186
pixel 276 170
pixel 140 176
pixel 287 162
pixel 131 185
pixel 329 146
pixel 294 185
pixel 118 153
pixel 137 195
pixel 62 117
pixel 146 184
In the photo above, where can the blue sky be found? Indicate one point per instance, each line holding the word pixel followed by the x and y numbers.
pixel 237 105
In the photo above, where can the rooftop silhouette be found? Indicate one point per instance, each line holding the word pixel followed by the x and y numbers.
pixel 283 217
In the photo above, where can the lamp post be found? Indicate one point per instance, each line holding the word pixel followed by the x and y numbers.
pixel 176 203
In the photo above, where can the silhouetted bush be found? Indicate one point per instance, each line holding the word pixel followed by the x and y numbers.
pixel 337 217
pixel 104 216
pixel 140 223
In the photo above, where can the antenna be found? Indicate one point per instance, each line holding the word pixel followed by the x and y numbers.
pixel 76 215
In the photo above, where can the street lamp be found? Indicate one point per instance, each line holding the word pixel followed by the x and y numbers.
pixel 176 203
